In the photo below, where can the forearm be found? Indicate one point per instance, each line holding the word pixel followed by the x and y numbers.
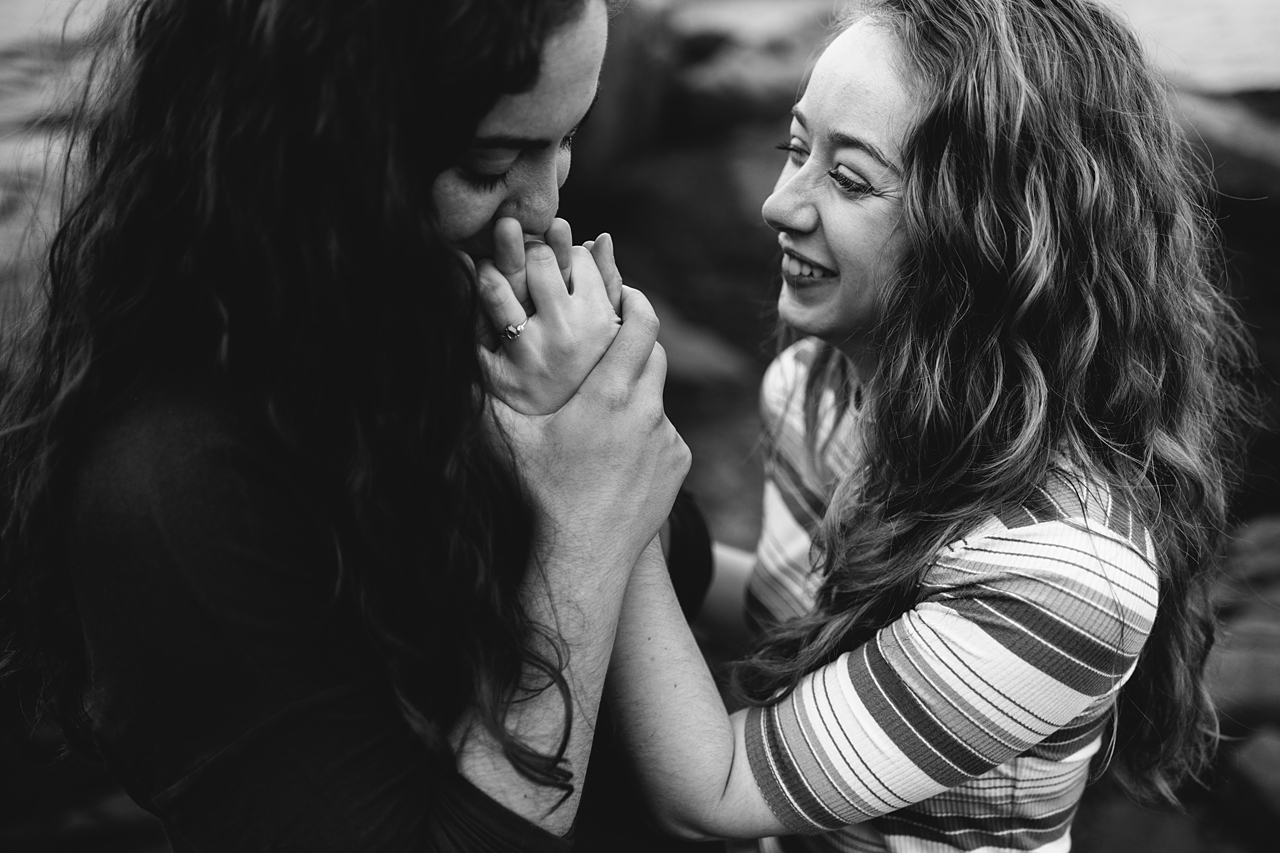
pixel 584 619
pixel 689 753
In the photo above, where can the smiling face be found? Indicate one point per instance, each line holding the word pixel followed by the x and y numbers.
pixel 519 157
pixel 837 204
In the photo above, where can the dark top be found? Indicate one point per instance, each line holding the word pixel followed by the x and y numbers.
pixel 227 693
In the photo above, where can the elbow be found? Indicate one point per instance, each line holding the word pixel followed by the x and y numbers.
pixel 686 831
pixel 681 823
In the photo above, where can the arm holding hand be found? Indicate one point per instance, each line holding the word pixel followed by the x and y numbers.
pixel 976 674
pixel 690 753
pixel 577 399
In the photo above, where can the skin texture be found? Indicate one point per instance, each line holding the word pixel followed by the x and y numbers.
pixel 836 204
pixel 539 371
pixel 523 144
pixel 577 398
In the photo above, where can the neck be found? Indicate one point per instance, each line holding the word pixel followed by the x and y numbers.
pixel 862 358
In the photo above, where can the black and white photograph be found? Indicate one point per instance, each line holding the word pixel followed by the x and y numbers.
pixel 639 426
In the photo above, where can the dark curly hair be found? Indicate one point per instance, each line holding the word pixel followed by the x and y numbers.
pixel 247 194
pixel 1058 295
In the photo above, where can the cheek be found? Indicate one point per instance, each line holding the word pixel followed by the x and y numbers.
pixel 563 160
pixel 463 210
pixel 870 246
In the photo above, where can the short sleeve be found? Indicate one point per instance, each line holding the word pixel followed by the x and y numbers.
pixel 1021 631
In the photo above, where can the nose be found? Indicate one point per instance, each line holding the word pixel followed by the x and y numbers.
pixel 790 207
pixel 535 195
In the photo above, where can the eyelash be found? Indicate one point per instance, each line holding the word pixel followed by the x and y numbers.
pixel 845 183
pixel 482 181
pixel 485 182
pixel 796 152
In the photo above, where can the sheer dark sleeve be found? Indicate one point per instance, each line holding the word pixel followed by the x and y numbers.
pixel 229 692
pixel 690 559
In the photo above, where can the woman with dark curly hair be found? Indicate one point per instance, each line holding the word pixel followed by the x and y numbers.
pixel 1004 429
pixel 271 546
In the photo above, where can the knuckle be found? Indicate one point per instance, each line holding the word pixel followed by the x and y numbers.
pixel 487 277
pixel 645 319
pixel 610 396
pixel 659 358
pixel 584 267
pixel 684 456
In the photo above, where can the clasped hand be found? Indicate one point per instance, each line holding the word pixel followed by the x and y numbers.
pixel 577 395
pixel 563 299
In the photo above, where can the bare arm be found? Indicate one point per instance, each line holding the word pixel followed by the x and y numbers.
pixel 602 465
pixel 691 755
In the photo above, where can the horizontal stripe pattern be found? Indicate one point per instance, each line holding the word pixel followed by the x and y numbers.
pixel 969 723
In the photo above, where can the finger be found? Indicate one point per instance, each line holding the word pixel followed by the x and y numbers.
pixel 497 298
pixel 508 257
pixel 602 250
pixel 629 353
pixel 560 238
pixel 508 246
pixel 653 377
pixel 542 272
pixel 590 285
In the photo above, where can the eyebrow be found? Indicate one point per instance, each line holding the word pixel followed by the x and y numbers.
pixel 838 139
pixel 527 143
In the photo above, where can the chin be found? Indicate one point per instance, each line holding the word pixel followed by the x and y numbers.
pixel 805 318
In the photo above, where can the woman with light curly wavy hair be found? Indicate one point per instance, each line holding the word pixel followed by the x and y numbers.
pixel 997 453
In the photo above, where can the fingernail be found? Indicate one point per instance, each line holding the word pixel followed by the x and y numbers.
pixel 538 251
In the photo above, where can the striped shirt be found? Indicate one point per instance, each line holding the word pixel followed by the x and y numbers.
pixel 970 722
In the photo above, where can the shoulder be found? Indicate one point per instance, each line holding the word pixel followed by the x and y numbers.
pixel 178 450
pixel 165 440
pixel 823 445
pixel 178 496
pixel 1073 556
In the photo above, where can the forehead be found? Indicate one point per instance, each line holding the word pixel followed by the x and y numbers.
pixel 857 87
pixel 567 80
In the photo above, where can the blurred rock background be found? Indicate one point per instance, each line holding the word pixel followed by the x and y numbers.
pixel 675 163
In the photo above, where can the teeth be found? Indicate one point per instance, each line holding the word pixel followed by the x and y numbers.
pixel 797 268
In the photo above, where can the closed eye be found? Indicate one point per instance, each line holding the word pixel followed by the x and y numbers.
pixel 798 154
pixel 482 180
pixel 848 183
